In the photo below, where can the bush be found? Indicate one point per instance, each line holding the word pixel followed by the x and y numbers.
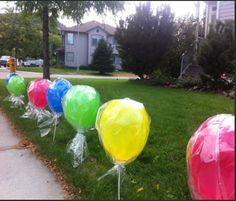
pixel 159 78
pixel 84 67
pixel 189 83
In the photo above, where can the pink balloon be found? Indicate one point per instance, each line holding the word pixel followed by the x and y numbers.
pixel 37 93
pixel 210 159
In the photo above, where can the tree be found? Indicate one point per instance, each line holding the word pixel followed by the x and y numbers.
pixel 50 10
pixel 217 51
pixel 15 37
pixel 183 42
pixel 102 57
pixel 144 39
pixel 17 40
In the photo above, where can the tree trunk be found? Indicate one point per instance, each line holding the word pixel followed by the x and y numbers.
pixel 46 72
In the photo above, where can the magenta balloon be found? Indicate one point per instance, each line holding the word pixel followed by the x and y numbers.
pixel 37 93
pixel 210 159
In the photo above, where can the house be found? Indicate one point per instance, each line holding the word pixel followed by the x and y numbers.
pixel 80 41
pixel 218 10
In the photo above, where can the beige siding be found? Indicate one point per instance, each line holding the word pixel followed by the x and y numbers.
pixel 226 10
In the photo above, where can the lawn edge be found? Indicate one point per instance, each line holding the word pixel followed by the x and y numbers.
pixel 69 192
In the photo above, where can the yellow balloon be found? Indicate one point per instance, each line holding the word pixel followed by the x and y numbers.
pixel 123 126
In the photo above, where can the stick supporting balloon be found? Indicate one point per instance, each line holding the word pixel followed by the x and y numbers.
pixel 122 137
pixel 118 169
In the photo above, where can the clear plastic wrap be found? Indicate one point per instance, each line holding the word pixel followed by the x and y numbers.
pixel 78 148
pixel 49 122
pixel 210 159
pixel 123 127
pixel 32 112
pixel 17 101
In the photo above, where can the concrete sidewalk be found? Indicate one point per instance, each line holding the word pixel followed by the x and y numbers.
pixel 22 175
pixel 4 72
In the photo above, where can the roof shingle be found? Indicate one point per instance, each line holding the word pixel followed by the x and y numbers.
pixel 85 27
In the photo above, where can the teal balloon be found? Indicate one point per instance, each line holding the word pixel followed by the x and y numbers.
pixel 16 85
pixel 80 106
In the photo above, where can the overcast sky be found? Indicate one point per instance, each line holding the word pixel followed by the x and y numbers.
pixel 180 8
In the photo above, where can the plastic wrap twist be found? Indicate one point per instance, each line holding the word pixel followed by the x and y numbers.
pixel 78 147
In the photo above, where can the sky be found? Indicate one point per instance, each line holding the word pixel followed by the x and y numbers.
pixel 180 8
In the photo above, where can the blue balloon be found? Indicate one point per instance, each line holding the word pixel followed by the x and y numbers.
pixel 56 91
pixel 9 76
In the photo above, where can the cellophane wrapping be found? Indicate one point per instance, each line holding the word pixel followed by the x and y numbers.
pixel 210 159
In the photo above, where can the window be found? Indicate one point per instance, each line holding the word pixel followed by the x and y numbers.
pixel 214 8
pixel 95 39
pixel 70 56
pixel 70 38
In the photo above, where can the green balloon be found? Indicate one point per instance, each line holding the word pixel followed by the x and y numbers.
pixel 16 85
pixel 80 106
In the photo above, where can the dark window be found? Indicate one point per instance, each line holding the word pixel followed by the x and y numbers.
pixel 70 56
pixel 94 41
pixel 214 8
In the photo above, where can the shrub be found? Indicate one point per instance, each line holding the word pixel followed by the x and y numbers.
pixel 217 52
pixel 102 58
pixel 189 83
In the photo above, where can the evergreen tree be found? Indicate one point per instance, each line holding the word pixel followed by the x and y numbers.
pixel 102 57
pixel 144 39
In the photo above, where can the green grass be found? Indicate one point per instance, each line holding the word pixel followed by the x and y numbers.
pixel 175 114
pixel 70 71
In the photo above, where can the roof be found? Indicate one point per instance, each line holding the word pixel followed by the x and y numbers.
pixel 85 27
pixel 210 2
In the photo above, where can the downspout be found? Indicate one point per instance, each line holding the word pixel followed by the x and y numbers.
pixel 217 10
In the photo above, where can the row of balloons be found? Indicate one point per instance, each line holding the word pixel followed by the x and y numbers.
pixel 123 127
pixel 123 124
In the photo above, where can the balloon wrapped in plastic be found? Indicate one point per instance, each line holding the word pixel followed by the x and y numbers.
pixel 8 77
pixel 123 127
pixel 17 88
pixel 210 159
pixel 55 93
pixel 80 106
pixel 37 95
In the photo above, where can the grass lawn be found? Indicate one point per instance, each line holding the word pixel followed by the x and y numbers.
pixel 160 169
pixel 71 71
